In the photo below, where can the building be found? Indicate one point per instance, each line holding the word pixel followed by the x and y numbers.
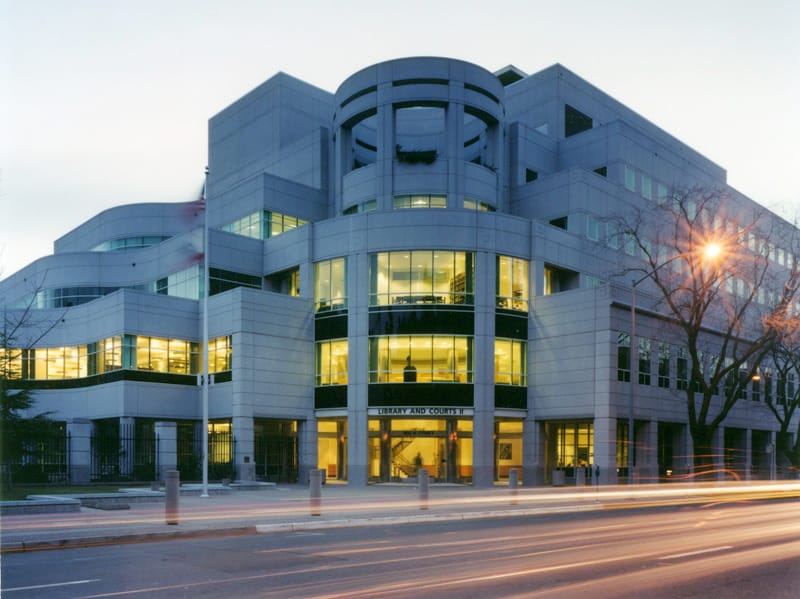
pixel 417 270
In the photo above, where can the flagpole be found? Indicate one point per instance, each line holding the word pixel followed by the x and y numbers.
pixel 205 336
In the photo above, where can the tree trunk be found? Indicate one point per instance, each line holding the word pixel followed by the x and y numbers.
pixel 704 450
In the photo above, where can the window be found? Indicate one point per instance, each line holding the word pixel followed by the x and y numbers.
pixel 630 178
pixel 331 362
pixel 780 388
pixel 420 201
pixel 682 370
pixel 510 362
pixel 219 354
pixel 560 222
pixel 367 206
pixel 421 277
pixel 647 187
pixel 10 363
pixel 286 282
pixel 575 121
pixel 129 243
pixel 431 359
pixel 602 171
pixel 664 353
pixel 512 283
pixel 530 175
pixel 330 278
pixel 263 224
pixel 624 357
pixel 644 360
pixel 557 279
pixel 477 205
pixel 592 228
pixel 767 378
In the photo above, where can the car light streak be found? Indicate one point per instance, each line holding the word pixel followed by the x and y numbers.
pixel 698 552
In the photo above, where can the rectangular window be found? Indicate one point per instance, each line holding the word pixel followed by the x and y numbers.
pixel 11 363
pixel 420 201
pixel 510 362
pixel 592 228
pixel 664 354
pixel 512 283
pixel 647 187
pixel 420 358
pixel 682 369
pixel 331 362
pixel 624 357
pixel 330 277
pixel 630 178
pixel 421 277
pixel 644 360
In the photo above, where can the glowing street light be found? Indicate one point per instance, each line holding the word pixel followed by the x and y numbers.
pixel 711 251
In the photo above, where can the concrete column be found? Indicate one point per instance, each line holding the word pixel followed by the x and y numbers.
pixel 605 449
pixel 483 382
pixel 306 448
pixel 454 128
pixel 167 447
pixel 80 450
pixel 647 451
pixel 532 450
pixel 358 363
pixel 386 129
pixel 244 449
pixel 685 463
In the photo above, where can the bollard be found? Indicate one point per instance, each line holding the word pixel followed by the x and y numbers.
pixel 173 484
pixel 513 479
pixel 423 478
pixel 315 484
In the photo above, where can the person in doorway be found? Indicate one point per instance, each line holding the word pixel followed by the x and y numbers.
pixel 409 372
pixel 418 462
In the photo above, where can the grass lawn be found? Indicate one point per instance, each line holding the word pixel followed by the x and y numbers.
pixel 22 491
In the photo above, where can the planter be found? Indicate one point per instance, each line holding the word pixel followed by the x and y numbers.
pixel 558 477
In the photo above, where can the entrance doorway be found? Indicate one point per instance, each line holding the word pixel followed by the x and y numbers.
pixel 400 447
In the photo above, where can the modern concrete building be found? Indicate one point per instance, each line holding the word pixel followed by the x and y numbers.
pixel 416 271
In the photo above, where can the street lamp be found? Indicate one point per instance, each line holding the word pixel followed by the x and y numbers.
pixel 710 251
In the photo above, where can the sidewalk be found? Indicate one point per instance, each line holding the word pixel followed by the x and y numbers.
pixel 281 508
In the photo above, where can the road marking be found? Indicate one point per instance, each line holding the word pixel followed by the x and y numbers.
pixel 55 584
pixel 701 551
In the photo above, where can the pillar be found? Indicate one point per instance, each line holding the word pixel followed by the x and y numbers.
pixel 244 462
pixel 605 449
pixel 167 448
pixel 79 431
pixel 307 449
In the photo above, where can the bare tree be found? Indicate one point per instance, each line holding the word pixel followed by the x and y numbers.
pixel 725 284
pixel 20 330
pixel 785 401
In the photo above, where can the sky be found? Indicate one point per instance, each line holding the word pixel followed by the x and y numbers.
pixel 106 102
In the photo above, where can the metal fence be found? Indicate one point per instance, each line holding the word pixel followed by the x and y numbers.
pixel 123 452
pixel 43 455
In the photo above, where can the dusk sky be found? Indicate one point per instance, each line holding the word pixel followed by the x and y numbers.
pixel 106 102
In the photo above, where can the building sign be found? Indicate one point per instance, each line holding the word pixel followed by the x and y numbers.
pixel 420 411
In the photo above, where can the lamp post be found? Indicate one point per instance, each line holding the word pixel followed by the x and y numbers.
pixel 710 251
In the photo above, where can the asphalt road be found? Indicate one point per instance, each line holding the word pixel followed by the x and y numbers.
pixel 713 550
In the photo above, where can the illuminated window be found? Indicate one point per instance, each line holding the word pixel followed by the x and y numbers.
pixel 510 362
pixel 263 224
pixel 11 363
pixel 512 283
pixel 420 358
pixel 330 284
pixel 421 277
pixel 420 201
pixel 331 362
